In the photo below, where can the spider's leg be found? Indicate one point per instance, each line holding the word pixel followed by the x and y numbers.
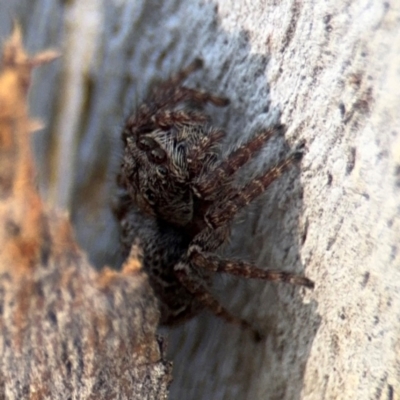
pixel 172 96
pixel 167 118
pixel 224 211
pixel 200 254
pixel 196 96
pixel 180 76
pixel 208 183
pixel 184 273
pixel 214 263
pixel 171 92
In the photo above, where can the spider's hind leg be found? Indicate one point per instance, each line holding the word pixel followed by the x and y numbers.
pixel 196 287
pixel 200 254
pixel 214 263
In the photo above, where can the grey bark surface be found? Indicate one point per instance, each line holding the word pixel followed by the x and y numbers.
pixel 330 72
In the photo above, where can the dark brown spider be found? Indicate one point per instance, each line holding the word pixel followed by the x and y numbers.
pixel 176 195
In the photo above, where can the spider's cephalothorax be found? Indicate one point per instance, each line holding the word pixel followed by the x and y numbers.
pixel 176 195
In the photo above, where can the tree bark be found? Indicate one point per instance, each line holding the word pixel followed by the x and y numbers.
pixel 329 71
pixel 67 331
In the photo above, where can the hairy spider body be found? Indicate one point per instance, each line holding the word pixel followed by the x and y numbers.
pixel 176 195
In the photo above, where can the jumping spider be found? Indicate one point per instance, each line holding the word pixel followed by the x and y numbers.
pixel 177 196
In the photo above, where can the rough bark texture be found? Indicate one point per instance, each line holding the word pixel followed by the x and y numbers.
pixel 330 71
pixel 67 331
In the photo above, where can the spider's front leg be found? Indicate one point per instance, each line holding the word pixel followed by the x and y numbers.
pixel 171 92
pixel 234 199
pixel 206 185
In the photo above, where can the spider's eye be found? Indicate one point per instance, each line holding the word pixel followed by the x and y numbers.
pixel 146 143
pixel 150 197
pixel 157 155
pixel 162 170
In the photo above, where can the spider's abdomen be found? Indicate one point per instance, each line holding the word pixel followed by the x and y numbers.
pixel 163 245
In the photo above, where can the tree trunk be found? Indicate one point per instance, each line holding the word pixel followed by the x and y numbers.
pixel 67 331
pixel 329 71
